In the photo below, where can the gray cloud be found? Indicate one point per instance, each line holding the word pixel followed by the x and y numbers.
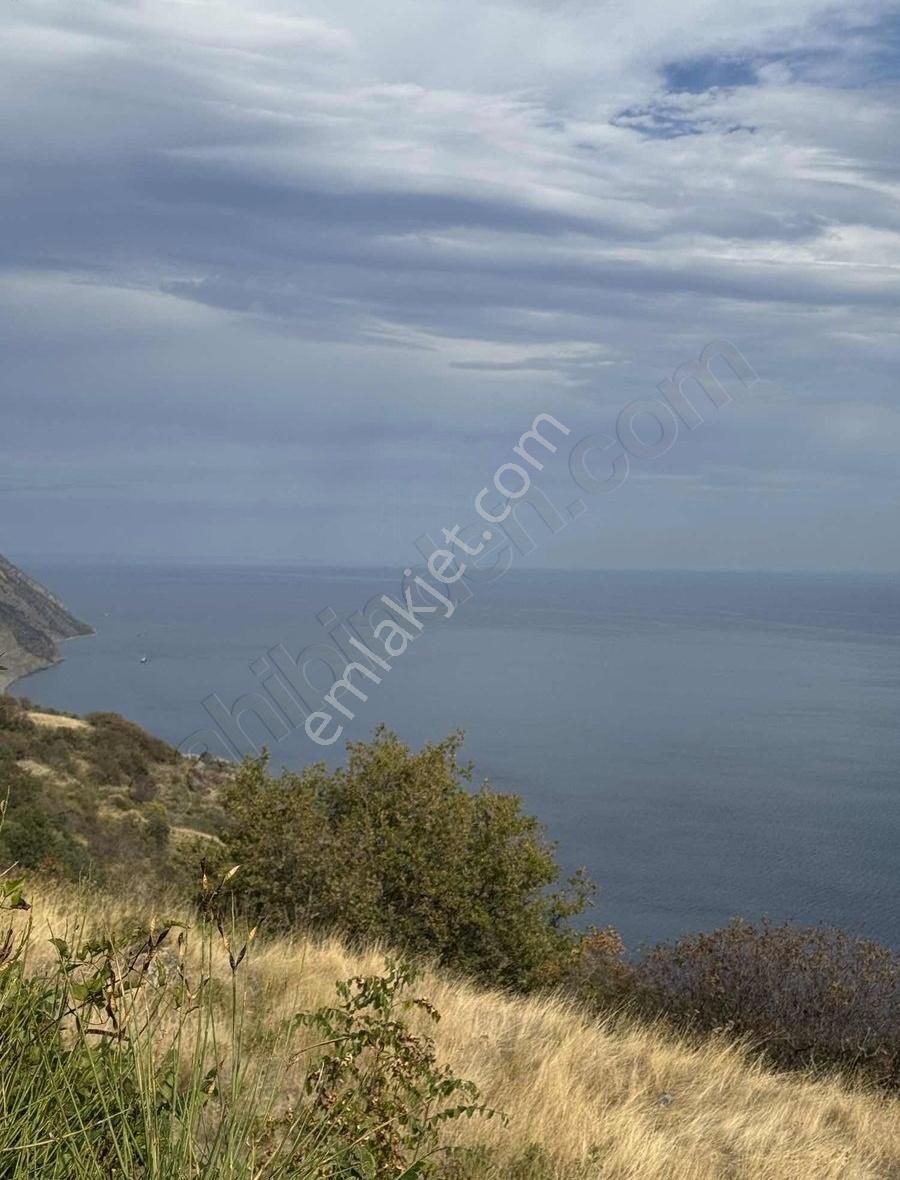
pixel 260 260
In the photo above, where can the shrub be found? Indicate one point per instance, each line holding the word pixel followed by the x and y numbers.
pixel 157 829
pixel 32 839
pixel 597 973
pixel 379 1085
pixel 143 788
pixel 31 834
pixel 394 847
pixel 806 997
pixel 121 752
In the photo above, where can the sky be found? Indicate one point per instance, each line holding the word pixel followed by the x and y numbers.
pixel 287 281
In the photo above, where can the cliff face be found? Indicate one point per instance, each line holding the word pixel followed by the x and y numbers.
pixel 32 620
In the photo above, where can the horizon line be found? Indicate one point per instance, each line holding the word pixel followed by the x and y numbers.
pixel 340 566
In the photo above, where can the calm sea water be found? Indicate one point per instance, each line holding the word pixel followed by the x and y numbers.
pixel 706 745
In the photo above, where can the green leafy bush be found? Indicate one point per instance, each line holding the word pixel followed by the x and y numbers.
pixel 377 1084
pixel 31 833
pixel 394 847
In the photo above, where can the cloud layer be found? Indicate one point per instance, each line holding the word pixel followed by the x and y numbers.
pixel 287 280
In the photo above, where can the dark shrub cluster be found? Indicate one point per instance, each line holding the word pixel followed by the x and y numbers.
pixel 394 847
pixel 32 833
pixel 806 997
pixel 122 752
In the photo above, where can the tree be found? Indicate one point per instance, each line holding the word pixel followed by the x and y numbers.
pixel 394 847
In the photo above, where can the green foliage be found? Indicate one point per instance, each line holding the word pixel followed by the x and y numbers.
pixel 394 847
pixel 32 834
pixel 377 1085
pixel 33 840
pixel 805 997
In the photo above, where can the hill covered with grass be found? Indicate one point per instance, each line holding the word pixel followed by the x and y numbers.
pixel 577 1096
pixel 99 796
pixel 208 971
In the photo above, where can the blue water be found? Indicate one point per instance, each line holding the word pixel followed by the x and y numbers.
pixel 706 744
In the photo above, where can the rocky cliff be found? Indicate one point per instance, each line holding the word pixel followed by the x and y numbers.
pixel 32 621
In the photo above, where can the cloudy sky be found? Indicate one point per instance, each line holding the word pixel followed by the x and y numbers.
pixel 286 281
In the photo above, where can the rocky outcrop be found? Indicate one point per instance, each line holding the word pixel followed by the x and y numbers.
pixel 32 621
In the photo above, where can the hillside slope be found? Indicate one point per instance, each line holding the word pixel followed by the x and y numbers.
pixel 584 1097
pixel 98 795
pixel 32 621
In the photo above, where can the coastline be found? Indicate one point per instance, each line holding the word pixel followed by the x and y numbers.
pixel 33 622
pixel 9 679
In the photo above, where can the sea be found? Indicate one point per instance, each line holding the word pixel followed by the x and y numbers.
pixel 705 744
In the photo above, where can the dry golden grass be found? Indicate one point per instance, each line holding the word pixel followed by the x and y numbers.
pixel 57 721
pixel 38 769
pixel 613 1099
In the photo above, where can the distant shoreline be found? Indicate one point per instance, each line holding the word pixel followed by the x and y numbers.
pixel 7 680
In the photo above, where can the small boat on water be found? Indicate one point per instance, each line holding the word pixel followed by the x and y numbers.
pixel 144 659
